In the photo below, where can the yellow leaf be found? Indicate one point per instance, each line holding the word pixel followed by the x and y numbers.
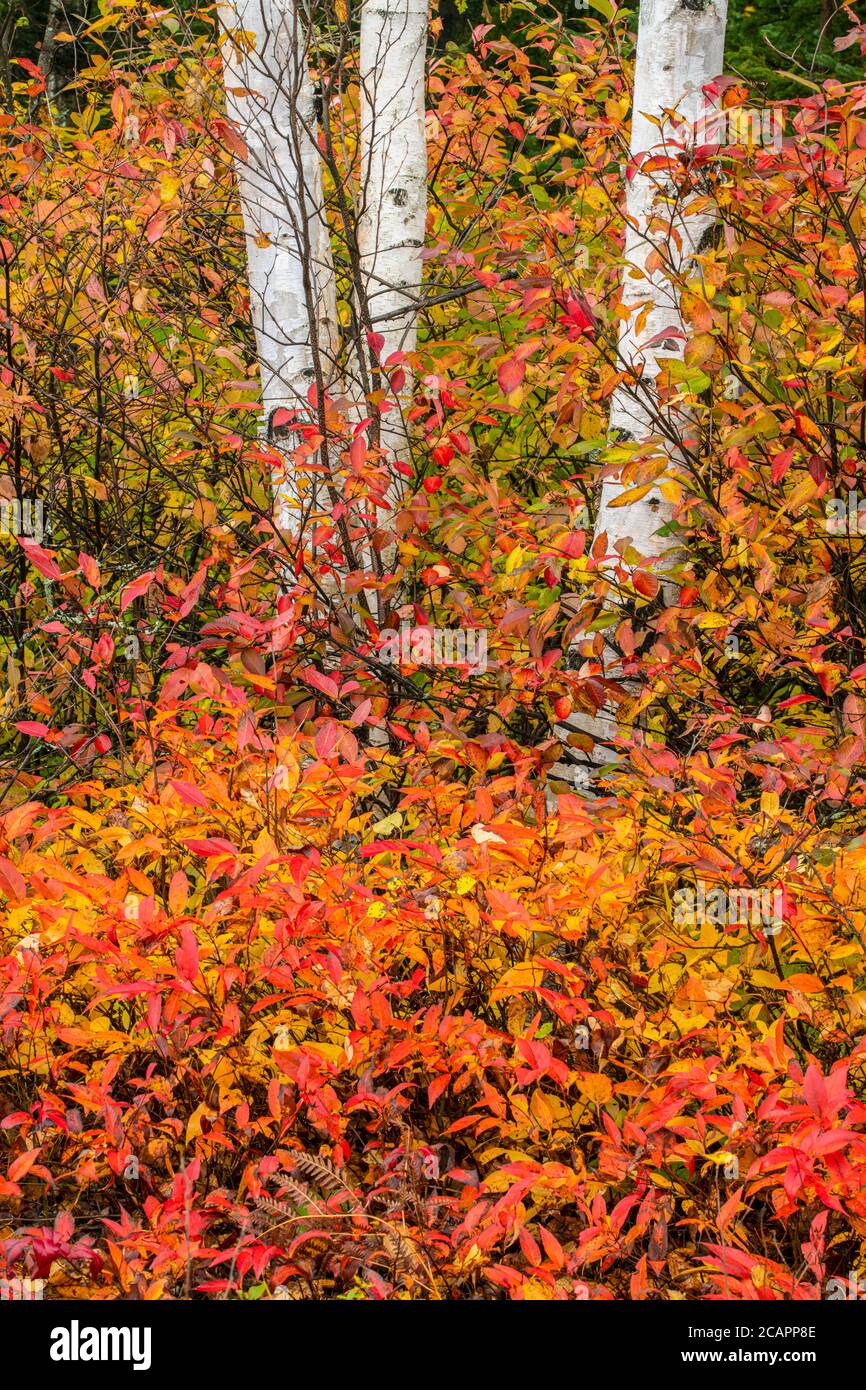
pixel 193 1128
pixel 670 490
pixel 802 493
pixel 329 1051
pixel 700 349
pixel 766 980
pixel 595 1087
pixel 533 1291
pixel 520 977
pixel 631 494
pixel 264 843
pixel 540 1109
pixel 548 1110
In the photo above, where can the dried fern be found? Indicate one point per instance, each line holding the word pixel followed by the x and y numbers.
pixel 326 1174
pixel 400 1252
pixel 355 1249
pixel 313 1243
pixel 301 1197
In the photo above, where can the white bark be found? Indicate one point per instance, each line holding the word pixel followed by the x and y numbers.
pixel 393 194
pixel 680 48
pixel 49 50
pixel 269 100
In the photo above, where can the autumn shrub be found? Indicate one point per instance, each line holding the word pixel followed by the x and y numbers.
pixel 318 976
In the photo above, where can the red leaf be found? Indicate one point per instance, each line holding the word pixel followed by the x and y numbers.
pixel 552 1248
pixel 190 593
pixel 436 1087
pixel 325 742
pixel 11 880
pixel 230 137
pixel 815 1090
pixel 646 583
pixel 40 559
pixel 156 226
pixel 90 569
pixel 135 589
pixel 389 847
pixel 360 713
pixel 780 465
pixel 188 793
pixel 187 955
pixel 578 319
pixel 320 682
pixel 211 848
pixel 39 80
pixel 529 1247
pixel 510 374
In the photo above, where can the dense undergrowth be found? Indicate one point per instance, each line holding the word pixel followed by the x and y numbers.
pixel 314 977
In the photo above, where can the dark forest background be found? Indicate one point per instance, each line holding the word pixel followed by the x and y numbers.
pixel 775 45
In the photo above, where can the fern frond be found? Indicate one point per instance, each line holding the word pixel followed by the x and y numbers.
pixel 300 1195
pixel 326 1174
pixel 400 1252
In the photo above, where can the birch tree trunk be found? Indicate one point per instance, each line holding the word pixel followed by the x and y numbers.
pixel 680 48
pixel 269 99
pixel 48 51
pixel 393 194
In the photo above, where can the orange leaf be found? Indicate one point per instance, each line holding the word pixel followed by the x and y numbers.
pixel 23 1163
